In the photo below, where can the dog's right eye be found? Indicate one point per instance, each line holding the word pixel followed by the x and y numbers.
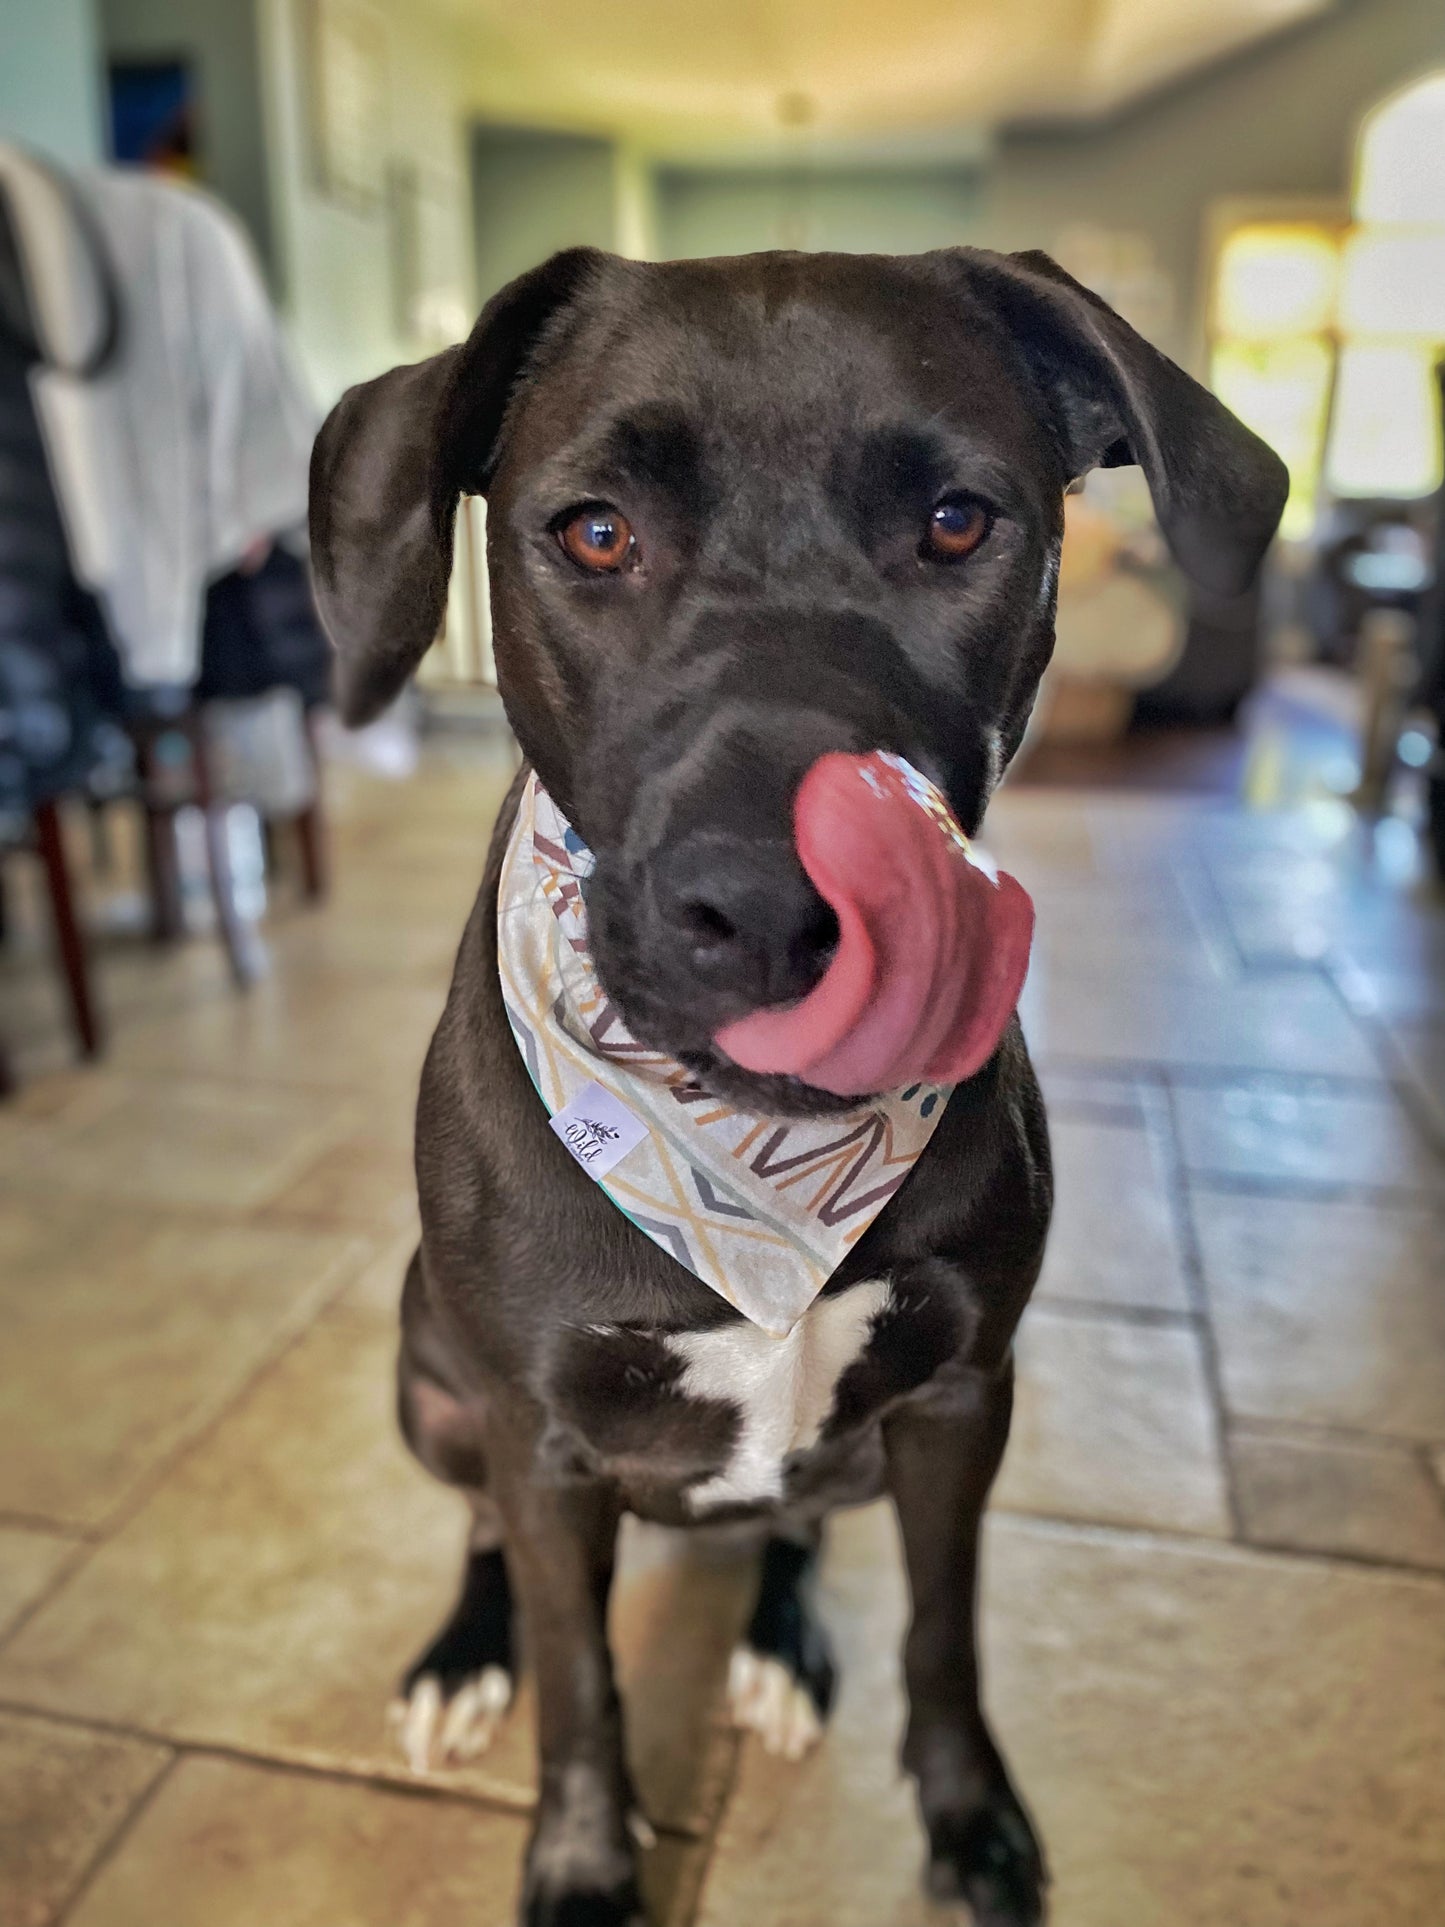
pixel 955 529
pixel 597 537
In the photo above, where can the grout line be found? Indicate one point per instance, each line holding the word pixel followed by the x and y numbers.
pixel 1324 1432
pixel 1072 1109
pixel 1151 1071
pixel 1411 1099
pixel 80 1553
pixel 1061 1525
pixel 1106 1311
pixel 707 1841
pixel 1416 1104
pixel 1434 1471
pixel 377 1779
pixel 1205 902
pixel 45 1523
pixel 114 1841
pixel 1239 1184
pixel 1191 1264
pixel 1364 1561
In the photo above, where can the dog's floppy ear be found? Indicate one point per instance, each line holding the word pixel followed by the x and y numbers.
pixel 1218 490
pixel 391 460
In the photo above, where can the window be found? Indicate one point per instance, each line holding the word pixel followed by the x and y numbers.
pixel 1324 335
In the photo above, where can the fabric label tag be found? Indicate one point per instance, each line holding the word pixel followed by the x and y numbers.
pixel 598 1129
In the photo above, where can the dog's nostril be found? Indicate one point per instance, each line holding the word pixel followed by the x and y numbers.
pixel 815 943
pixel 706 924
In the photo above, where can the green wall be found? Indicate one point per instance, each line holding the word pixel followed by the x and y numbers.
pixel 50 94
pixel 534 192
pixel 1277 121
pixel 878 211
pixel 1280 120
pixel 219 38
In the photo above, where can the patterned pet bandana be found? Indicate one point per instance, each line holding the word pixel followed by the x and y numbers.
pixel 762 1209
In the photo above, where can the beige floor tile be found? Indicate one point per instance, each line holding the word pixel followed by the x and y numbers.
pixel 359 1180
pixel 208 1143
pixel 271 1592
pixel 1400 989
pixel 1419 1045
pixel 1113 1422
pixel 1264 1128
pixel 1205 1736
pixel 376 1290
pixel 359 1033
pixel 1112 1240
pixel 1078 928
pixel 1292 1021
pixel 1328 1495
pixel 132 1330
pixel 1029 835
pixel 1329 1313
pixel 343 942
pixel 1289 905
pixel 29 1561
pixel 130 979
pixel 1091 1091
pixel 63 1794
pixel 227 1845
pixel 1354 926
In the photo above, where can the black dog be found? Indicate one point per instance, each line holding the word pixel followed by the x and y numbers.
pixel 710 487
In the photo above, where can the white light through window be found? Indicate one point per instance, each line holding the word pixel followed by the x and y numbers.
pixel 1385 428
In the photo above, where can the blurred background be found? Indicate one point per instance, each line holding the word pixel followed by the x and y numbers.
pixel 1216 1601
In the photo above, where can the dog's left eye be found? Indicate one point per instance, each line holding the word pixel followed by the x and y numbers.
pixel 597 537
pixel 955 529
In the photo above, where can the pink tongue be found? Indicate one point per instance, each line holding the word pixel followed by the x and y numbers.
pixel 932 952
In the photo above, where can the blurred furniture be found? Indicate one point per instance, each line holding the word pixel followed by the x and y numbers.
pixel 40 832
pixel 1368 554
pixel 1220 662
pixel 176 770
pixel 1429 693
pixel 1119 626
pixel 156 547
pixel 54 735
pixel 1389 578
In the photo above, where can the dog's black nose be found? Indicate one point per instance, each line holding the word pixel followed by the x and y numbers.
pixel 743 918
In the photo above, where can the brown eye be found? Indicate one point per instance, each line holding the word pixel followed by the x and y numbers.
pixel 597 537
pixel 955 529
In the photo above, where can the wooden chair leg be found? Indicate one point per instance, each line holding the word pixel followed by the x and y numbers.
pixel 163 869
pixel 102 850
pixel 68 940
pixel 311 826
pixel 311 837
pixel 240 949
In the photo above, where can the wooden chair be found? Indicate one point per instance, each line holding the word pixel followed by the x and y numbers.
pixel 164 790
pixel 71 954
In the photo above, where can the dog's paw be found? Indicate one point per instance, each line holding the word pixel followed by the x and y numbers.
pixel 443 1720
pixel 786 1710
pixel 990 1860
pixel 586 1907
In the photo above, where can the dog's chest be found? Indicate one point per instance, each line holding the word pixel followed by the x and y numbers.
pixel 729 1416
pixel 783 1390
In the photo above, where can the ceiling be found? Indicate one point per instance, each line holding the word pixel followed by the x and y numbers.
pixel 927 76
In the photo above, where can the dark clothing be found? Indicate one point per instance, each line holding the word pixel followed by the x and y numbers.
pixel 54 731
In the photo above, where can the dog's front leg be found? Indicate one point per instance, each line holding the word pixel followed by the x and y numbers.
pixel 581 1868
pixel 981 1845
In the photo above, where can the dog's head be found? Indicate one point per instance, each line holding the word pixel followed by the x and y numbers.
pixel 742 513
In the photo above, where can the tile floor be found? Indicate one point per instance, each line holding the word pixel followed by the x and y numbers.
pixel 1215 1599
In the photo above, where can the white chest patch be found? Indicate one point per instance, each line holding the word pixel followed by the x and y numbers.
pixel 783 1387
